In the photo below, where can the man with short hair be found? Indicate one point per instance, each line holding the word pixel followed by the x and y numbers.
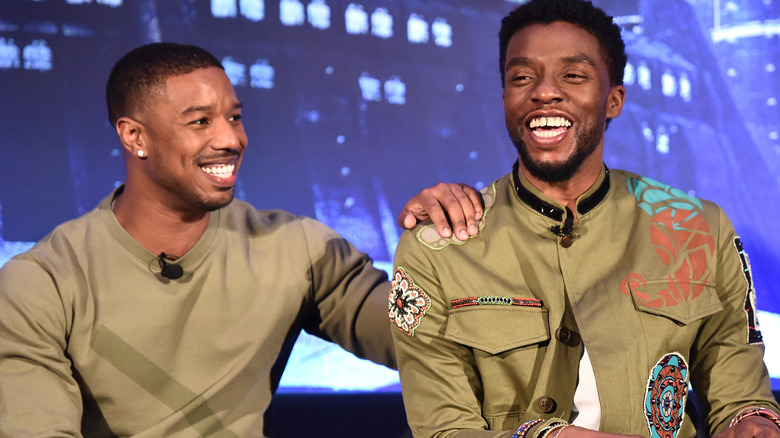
pixel 591 298
pixel 171 309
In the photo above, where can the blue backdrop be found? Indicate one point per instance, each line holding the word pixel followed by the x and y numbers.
pixel 352 107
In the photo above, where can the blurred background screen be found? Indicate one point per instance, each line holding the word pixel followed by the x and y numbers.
pixel 354 106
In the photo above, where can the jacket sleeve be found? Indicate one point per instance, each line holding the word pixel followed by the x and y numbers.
pixel 728 372
pixel 348 296
pixel 440 381
pixel 39 396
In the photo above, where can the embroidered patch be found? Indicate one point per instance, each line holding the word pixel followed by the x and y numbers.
pixel 753 330
pixel 682 240
pixel 495 301
pixel 429 235
pixel 665 397
pixel 407 302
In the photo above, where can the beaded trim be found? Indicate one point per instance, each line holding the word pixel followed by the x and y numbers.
pixel 523 428
pixel 751 411
pixel 495 301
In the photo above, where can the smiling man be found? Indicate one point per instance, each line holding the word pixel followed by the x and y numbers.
pixel 171 309
pixel 592 298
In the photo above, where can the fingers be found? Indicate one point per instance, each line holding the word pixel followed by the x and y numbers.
pixel 451 207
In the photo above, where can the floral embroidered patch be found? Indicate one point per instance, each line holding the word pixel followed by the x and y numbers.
pixel 665 396
pixel 407 302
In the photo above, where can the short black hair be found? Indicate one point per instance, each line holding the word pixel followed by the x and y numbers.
pixel 143 71
pixel 578 12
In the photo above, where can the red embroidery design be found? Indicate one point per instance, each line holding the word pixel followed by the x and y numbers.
pixel 682 240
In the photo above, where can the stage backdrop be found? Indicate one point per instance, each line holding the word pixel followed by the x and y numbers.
pixel 353 106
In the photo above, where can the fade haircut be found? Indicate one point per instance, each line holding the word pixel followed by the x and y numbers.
pixel 142 72
pixel 578 12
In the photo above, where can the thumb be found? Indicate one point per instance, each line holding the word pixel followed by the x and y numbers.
pixel 409 221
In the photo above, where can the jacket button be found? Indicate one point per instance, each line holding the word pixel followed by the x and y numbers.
pixel 545 404
pixel 563 334
pixel 566 240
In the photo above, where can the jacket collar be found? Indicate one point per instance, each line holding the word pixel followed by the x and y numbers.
pixel 584 205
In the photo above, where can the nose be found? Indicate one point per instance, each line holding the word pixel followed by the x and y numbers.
pixel 228 135
pixel 547 90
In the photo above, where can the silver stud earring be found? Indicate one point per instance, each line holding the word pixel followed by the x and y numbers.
pixel 140 153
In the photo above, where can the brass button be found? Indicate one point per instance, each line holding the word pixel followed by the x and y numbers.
pixel 563 334
pixel 545 404
pixel 566 240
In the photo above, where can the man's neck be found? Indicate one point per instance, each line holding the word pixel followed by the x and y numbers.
pixel 158 227
pixel 567 192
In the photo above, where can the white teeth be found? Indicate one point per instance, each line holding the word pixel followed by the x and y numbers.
pixel 220 170
pixel 549 133
pixel 549 122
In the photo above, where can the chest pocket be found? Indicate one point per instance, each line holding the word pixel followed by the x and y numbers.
pixel 681 309
pixel 496 329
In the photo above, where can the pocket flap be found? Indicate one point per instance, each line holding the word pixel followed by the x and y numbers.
pixel 655 298
pixel 496 329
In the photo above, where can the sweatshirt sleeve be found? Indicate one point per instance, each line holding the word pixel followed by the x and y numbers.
pixel 349 296
pixel 39 396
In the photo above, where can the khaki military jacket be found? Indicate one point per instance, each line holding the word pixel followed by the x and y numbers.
pixel 653 282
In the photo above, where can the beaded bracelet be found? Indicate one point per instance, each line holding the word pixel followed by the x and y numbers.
pixel 523 428
pixel 558 425
pixel 755 410
pixel 561 430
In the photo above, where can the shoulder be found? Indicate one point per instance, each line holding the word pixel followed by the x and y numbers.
pixel 427 235
pixel 64 242
pixel 654 196
pixel 245 218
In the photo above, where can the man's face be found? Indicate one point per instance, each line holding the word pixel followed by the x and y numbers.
pixel 194 139
pixel 557 97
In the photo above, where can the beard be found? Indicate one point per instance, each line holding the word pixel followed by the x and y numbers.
pixel 587 139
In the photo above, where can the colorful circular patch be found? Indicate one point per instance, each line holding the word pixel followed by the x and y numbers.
pixel 407 303
pixel 665 396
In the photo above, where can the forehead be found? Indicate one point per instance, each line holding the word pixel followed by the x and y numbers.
pixel 205 86
pixel 554 42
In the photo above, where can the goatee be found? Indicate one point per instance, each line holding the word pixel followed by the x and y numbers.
pixel 587 140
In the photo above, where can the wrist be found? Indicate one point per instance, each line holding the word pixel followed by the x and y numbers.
pixel 752 411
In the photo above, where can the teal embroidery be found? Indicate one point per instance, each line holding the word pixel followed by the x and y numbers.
pixel 654 197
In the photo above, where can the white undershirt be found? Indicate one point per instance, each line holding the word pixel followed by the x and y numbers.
pixel 586 411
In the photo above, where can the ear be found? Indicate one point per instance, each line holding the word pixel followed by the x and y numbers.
pixel 130 134
pixel 615 99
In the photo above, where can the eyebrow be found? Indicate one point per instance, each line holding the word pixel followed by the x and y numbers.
pixel 206 108
pixel 579 58
pixel 517 61
pixel 522 61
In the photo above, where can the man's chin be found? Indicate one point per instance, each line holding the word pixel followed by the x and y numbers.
pixel 216 204
pixel 551 172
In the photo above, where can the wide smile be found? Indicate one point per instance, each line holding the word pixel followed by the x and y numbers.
pixel 549 127
pixel 219 170
pixel 222 174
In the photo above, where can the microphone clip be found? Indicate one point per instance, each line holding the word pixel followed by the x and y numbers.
pixel 169 270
